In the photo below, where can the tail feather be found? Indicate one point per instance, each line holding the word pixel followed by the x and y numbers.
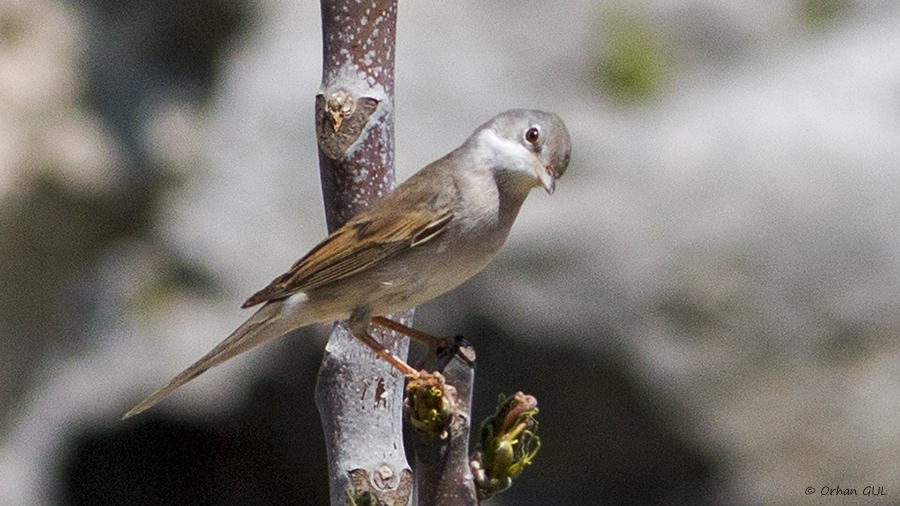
pixel 265 325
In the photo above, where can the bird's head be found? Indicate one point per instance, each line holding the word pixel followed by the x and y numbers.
pixel 526 146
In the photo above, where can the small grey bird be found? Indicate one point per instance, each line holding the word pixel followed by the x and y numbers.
pixel 434 231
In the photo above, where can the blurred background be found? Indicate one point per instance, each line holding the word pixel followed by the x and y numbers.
pixel 707 310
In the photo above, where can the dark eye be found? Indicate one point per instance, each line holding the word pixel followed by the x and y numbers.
pixel 532 135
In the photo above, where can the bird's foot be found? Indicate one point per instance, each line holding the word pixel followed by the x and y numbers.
pixel 436 345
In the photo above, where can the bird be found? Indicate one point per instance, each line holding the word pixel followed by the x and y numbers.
pixel 430 234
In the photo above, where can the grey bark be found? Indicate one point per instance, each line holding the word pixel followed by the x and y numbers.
pixel 359 396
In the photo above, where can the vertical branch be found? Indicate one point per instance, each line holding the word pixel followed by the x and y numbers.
pixel 359 396
pixel 356 136
pixel 443 472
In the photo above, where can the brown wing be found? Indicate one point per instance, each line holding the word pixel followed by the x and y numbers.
pixel 362 243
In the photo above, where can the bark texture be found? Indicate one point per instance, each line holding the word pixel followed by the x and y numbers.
pixel 360 397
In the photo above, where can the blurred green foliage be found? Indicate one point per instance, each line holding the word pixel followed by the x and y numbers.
pixel 685 316
pixel 818 13
pixel 630 66
pixel 848 342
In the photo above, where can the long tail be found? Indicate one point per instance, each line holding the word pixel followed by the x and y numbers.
pixel 265 325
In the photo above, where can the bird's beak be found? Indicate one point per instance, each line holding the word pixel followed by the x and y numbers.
pixel 547 179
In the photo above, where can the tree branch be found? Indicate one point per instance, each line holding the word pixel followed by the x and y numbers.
pixel 443 473
pixel 359 396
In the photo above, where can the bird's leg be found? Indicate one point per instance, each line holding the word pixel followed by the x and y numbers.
pixel 435 344
pixel 359 327
pixel 386 354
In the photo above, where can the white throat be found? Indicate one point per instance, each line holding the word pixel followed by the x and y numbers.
pixel 505 153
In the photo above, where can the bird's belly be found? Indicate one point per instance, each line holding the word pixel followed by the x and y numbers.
pixel 422 272
pixel 409 279
pixel 422 277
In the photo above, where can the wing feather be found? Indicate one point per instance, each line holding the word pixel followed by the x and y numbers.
pixel 361 244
